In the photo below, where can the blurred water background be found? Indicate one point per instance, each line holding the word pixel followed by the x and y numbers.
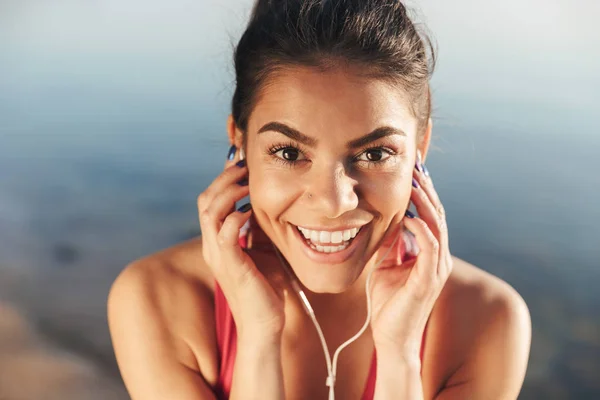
pixel 112 121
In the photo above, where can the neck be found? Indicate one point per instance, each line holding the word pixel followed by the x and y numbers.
pixel 350 301
pixel 340 315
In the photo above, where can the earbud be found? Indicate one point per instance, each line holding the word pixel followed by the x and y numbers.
pixel 242 155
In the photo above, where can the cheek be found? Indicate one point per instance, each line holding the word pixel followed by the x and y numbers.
pixel 389 193
pixel 272 192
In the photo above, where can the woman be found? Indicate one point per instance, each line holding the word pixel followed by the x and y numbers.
pixel 332 113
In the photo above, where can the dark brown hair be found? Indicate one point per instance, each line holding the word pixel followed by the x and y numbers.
pixel 374 37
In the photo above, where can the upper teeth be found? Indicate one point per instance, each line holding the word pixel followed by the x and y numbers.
pixel 327 236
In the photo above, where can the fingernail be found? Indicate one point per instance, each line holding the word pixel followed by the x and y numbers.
pixel 409 214
pixel 241 163
pixel 415 183
pixel 243 182
pixel 418 166
pixel 425 170
pixel 245 208
pixel 231 153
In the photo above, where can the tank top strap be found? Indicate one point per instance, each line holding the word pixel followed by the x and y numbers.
pixel 226 333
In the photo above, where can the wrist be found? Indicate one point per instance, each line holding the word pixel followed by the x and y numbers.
pixel 263 333
pixel 395 356
pixel 398 374
pixel 258 372
pixel 258 340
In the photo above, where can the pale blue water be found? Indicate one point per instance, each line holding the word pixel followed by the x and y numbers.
pixel 103 150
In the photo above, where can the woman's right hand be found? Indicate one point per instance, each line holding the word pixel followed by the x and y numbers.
pixel 256 304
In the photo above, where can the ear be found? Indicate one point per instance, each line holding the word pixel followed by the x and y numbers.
pixel 234 133
pixel 423 145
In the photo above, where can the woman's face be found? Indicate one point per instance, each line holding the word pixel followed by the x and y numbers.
pixel 330 157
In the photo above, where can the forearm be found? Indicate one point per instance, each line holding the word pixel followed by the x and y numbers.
pixel 398 376
pixel 257 373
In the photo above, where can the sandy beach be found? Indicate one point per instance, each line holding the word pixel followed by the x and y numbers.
pixel 37 362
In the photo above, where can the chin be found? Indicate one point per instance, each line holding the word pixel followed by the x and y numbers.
pixel 332 283
pixel 329 277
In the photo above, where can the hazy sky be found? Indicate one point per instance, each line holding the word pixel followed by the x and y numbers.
pixel 543 52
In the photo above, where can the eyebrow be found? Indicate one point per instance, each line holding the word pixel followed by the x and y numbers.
pixel 296 135
pixel 290 132
pixel 378 133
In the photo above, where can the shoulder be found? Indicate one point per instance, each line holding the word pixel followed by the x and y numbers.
pixel 165 280
pixel 162 305
pixel 182 262
pixel 470 288
pixel 490 325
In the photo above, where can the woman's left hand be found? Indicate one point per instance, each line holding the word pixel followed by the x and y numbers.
pixel 403 294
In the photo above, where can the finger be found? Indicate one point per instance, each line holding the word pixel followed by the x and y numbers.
pixel 426 185
pixel 392 276
pixel 229 246
pixel 425 207
pixel 224 202
pixel 424 178
pixel 232 156
pixel 393 237
pixel 209 220
pixel 424 274
pixel 230 230
pixel 260 240
pixel 232 174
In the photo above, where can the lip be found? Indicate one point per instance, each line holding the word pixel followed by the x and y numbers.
pixel 336 229
pixel 330 258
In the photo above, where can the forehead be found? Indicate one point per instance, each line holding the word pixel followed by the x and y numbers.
pixel 335 99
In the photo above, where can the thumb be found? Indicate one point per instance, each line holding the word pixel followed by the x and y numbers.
pixel 260 240
pixel 392 248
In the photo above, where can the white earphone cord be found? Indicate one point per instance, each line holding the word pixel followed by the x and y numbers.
pixel 332 366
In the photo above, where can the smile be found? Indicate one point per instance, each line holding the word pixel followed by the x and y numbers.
pixel 331 246
pixel 328 241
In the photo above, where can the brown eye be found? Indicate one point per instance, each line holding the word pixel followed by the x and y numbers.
pixel 290 154
pixel 374 155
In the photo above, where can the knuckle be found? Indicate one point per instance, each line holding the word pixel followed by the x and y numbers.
pixel 205 215
pixel 442 226
pixel 435 244
pixel 440 210
pixel 207 258
pixel 422 223
pixel 442 222
pixel 228 233
pixel 223 236
pixel 221 240
pixel 201 200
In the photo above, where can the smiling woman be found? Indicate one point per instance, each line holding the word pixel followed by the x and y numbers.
pixel 330 127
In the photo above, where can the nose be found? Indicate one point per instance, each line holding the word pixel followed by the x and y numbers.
pixel 332 191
